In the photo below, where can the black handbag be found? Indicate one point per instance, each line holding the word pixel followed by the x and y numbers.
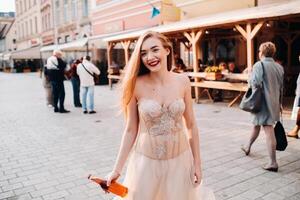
pixel 280 137
pixel 252 99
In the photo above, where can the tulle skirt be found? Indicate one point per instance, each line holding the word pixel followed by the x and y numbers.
pixel 295 108
pixel 149 179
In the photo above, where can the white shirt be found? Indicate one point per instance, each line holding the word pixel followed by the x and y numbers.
pixel 52 63
pixel 85 78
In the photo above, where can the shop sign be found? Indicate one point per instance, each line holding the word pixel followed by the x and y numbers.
pixel 34 42
pixel 114 27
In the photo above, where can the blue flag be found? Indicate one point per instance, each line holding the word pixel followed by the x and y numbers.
pixel 155 12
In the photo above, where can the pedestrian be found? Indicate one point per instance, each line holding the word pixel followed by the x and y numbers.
pixel 296 112
pixel 56 68
pixel 86 72
pixel 270 74
pixel 75 83
pixel 165 159
pixel 47 87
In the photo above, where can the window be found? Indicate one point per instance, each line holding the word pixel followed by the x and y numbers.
pixel 26 28
pixel 36 24
pixel 49 22
pixel 21 7
pixel 85 11
pixel 59 40
pixel 74 8
pixel 57 10
pixel 25 5
pixel 67 38
pixel 65 10
pixel 23 32
pixel 31 30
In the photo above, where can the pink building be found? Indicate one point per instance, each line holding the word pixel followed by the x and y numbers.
pixel 115 16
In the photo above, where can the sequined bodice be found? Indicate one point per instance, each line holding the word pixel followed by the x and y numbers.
pixel 161 131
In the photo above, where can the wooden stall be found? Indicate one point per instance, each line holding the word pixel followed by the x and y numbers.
pixel 249 27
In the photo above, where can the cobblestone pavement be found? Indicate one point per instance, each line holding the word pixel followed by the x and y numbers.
pixel 44 155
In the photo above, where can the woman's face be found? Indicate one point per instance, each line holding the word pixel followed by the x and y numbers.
pixel 153 54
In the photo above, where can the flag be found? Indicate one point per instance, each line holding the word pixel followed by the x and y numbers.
pixel 155 12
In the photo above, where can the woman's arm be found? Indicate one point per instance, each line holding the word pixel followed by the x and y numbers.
pixel 128 140
pixel 193 135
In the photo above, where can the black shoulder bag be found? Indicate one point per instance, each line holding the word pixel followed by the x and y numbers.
pixel 252 99
pixel 281 140
pixel 95 76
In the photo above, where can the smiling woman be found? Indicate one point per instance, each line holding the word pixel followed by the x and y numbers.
pixel 161 131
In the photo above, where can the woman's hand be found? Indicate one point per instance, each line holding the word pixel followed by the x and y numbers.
pixel 197 175
pixel 112 177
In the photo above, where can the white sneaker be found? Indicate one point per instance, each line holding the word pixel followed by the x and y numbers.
pixel 50 106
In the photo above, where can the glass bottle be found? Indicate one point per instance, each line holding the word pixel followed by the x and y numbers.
pixel 114 187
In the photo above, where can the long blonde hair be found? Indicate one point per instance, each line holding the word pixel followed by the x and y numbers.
pixel 136 67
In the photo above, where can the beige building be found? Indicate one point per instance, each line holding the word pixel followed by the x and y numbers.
pixel 47 27
pixel 28 22
pixel 72 26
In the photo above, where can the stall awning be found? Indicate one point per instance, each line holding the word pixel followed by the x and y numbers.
pixel 255 13
pixel 6 56
pixel 30 53
pixel 78 45
pixel 49 48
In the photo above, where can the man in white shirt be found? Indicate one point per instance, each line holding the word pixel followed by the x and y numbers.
pixel 86 71
pixel 55 71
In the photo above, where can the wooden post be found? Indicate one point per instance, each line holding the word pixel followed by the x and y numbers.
pixel 194 38
pixel 125 45
pixel 289 41
pixel 249 34
pixel 110 46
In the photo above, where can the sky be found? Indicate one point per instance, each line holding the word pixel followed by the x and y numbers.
pixel 7 5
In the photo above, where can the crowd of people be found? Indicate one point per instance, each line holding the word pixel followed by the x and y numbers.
pixel 81 72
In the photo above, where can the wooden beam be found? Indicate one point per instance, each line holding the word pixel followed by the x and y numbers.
pixel 256 29
pixel 242 31
pixel 194 38
pixel 125 45
pixel 110 46
pixel 250 50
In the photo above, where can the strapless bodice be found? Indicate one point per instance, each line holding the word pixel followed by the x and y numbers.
pixel 161 131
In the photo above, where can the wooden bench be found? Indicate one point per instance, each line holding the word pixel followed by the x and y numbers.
pixel 111 78
pixel 114 74
pixel 239 86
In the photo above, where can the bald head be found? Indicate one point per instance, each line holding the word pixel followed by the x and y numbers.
pixel 57 53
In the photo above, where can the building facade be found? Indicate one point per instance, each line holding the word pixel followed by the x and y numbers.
pixel 47 37
pixel 72 23
pixel 28 22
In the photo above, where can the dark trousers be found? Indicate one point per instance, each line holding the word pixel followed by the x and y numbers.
pixel 76 91
pixel 58 91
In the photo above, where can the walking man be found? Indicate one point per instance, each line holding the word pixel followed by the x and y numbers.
pixel 55 69
pixel 86 71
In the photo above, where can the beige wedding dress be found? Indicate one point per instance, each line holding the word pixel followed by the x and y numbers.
pixel 160 166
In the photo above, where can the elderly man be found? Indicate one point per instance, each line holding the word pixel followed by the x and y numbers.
pixel 55 70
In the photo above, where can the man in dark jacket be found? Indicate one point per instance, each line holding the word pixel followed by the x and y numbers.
pixel 55 71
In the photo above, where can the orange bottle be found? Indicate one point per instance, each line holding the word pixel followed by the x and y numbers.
pixel 114 187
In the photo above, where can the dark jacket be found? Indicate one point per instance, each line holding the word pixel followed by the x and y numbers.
pixel 57 75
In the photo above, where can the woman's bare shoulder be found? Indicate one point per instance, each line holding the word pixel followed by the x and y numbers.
pixel 141 83
pixel 182 78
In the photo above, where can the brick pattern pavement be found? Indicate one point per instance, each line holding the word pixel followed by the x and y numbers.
pixel 44 155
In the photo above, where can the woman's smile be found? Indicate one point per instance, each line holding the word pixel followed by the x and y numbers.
pixel 153 63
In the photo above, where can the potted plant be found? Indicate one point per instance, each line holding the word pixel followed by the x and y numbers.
pixel 213 73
